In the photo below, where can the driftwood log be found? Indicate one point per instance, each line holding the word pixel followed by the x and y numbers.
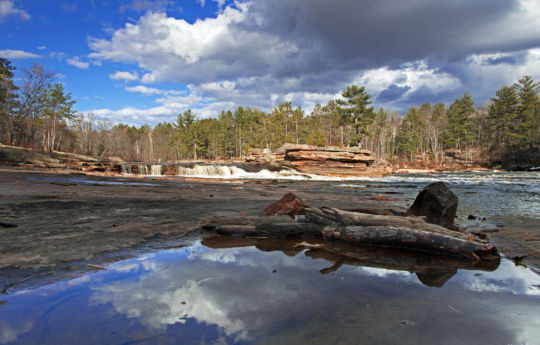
pixel 411 233
pixel 408 238
pixel 275 227
pixel 400 232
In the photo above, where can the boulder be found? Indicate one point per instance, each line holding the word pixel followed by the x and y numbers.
pixel 437 203
pixel 289 204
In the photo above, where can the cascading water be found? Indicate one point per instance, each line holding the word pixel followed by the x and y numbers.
pixel 155 170
pixel 218 171
pixel 126 170
pixel 143 169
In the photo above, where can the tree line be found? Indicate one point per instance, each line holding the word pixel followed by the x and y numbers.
pixel 39 113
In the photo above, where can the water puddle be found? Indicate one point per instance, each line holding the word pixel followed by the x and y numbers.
pixel 258 291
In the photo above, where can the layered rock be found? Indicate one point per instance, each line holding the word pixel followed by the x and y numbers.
pixel 330 160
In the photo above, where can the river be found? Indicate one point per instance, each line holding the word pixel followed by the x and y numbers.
pixel 215 291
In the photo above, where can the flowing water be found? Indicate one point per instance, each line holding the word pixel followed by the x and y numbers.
pixel 257 291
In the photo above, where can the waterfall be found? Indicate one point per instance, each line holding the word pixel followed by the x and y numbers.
pixel 143 169
pixel 210 171
pixel 231 171
pixel 126 169
pixel 155 170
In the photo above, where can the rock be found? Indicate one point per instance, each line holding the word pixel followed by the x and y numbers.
pixel 328 161
pixel 471 217
pixel 437 203
pixel 289 204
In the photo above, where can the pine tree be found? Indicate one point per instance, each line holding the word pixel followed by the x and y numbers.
pixel 8 100
pixel 58 110
pixel 355 109
pixel 462 128
pixel 502 117
pixel 527 131
pixel 409 138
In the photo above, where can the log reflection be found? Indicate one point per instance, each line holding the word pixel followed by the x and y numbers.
pixel 431 270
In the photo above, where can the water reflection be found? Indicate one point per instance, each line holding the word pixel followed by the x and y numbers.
pixel 431 270
pixel 269 292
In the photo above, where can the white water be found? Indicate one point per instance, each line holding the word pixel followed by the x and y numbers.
pixel 143 169
pixel 233 172
pixel 155 170
pixel 126 170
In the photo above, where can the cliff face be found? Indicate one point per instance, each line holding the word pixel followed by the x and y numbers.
pixel 329 161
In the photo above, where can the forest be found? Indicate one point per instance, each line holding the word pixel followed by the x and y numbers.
pixel 39 113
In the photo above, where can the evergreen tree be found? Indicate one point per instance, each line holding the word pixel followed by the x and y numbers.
pixel 502 117
pixel 355 109
pixel 462 128
pixel 8 100
pixel 527 131
pixel 409 138
pixel 57 112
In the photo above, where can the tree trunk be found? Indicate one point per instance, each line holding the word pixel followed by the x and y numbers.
pixel 407 238
pixel 327 216
pixel 275 227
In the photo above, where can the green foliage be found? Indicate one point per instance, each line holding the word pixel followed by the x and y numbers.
pixel 527 128
pixel 409 138
pixel 503 116
pixel 462 126
pixel 355 109
pixel 8 99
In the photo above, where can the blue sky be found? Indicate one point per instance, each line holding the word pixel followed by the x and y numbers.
pixel 143 61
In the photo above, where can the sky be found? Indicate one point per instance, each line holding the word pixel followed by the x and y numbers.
pixel 145 61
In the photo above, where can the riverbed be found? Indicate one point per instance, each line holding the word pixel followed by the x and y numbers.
pixel 160 285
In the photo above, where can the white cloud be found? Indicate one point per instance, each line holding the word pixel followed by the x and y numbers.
pixel 144 90
pixel 407 80
pixel 7 8
pixel 489 72
pixel 17 54
pixel 261 53
pixel 78 63
pixel 211 49
pixel 41 47
pixel 126 76
pixel 220 3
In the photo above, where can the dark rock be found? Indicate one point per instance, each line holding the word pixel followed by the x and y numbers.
pixel 289 204
pixel 437 203
pixel 471 217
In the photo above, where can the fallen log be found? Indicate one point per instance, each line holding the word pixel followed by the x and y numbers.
pixel 329 216
pixel 412 239
pixel 276 227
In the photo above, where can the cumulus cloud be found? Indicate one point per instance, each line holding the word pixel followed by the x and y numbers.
pixel 17 54
pixel 7 9
pixel 144 90
pixel 78 63
pixel 259 52
pixel 123 75
pixel 169 105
